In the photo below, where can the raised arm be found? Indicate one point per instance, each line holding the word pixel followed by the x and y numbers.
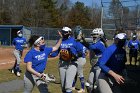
pixel 56 47
pixel 85 43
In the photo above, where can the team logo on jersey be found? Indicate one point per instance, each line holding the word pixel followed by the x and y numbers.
pixel 66 45
pixel 40 57
pixel 134 44
pixel 20 41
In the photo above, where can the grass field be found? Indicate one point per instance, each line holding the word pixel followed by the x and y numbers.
pixel 52 67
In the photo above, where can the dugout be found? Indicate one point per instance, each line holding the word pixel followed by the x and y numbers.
pixel 8 32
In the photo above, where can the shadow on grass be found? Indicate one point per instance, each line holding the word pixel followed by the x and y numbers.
pixel 133 84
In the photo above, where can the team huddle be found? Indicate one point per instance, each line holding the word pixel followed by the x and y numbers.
pixel 107 62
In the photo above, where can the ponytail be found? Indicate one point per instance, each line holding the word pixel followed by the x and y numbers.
pixel 32 39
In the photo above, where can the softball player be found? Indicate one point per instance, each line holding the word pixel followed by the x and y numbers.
pixel 134 47
pixel 35 61
pixel 68 65
pixel 19 43
pixel 81 60
pixel 112 64
pixel 96 50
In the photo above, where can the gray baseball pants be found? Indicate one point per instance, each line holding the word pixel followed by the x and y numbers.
pixel 18 55
pixel 67 72
pixel 94 74
pixel 107 84
pixel 31 80
pixel 81 62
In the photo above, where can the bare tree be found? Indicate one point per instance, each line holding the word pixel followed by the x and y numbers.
pixel 116 11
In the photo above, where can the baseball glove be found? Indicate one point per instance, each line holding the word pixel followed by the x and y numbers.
pixel 48 78
pixel 65 55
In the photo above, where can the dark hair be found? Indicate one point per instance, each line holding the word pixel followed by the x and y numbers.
pixel 32 39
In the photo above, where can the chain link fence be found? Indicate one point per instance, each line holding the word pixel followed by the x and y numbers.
pixel 51 34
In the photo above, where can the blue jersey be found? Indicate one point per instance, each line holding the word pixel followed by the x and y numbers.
pixel 134 44
pixel 98 48
pixel 113 58
pixel 81 49
pixel 18 43
pixel 38 58
pixel 69 44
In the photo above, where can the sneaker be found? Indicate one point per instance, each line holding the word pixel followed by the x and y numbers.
pixel 81 91
pixel 87 84
pixel 95 86
pixel 18 74
pixel 73 88
pixel 88 87
pixel 12 71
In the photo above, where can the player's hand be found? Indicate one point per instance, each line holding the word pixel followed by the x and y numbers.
pixel 119 79
pixel 43 77
pixel 60 34
pixel 82 36
pixel 48 78
pixel 79 36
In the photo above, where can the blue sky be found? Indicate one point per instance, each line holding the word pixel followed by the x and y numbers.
pixel 89 2
pixel 98 2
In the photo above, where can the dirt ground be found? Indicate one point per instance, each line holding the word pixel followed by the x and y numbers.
pixel 7 58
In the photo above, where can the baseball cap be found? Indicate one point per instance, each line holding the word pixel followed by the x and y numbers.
pixel 66 29
pixel 134 36
pixel 120 36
